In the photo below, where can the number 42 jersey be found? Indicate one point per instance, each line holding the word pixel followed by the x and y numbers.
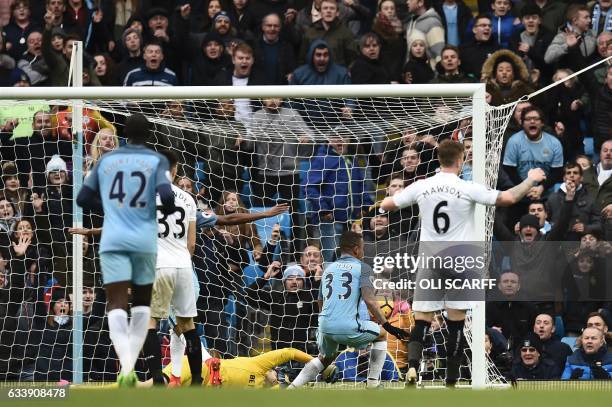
pixel 172 250
pixel 446 206
pixel 127 179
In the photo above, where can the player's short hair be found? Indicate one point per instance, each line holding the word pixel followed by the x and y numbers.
pixel 349 240
pixel 171 156
pixel 449 152
pixel 137 128
pixel 571 165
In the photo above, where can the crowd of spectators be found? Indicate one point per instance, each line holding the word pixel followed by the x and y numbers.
pixel 258 288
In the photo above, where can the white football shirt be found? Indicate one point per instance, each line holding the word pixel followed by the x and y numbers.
pixel 446 206
pixel 172 230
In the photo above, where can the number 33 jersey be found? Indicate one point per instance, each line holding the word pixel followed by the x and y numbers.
pixel 446 206
pixel 172 231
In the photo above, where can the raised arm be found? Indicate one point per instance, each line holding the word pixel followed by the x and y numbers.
pixel 513 195
pixel 241 218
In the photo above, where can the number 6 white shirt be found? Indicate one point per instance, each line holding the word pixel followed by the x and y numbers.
pixel 172 250
pixel 446 206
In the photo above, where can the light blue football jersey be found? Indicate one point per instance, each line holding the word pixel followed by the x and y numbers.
pixel 341 294
pixel 127 181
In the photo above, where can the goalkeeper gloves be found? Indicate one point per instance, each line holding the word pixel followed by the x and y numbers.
pixel 599 373
pixel 397 332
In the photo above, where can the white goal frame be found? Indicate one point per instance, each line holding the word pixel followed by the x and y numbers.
pixel 78 95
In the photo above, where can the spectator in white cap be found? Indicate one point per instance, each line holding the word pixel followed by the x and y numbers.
pixel 56 171
pixel 293 278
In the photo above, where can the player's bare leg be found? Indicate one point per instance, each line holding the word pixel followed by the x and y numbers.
pixel 378 354
pixel 454 345
pixel 415 346
pixel 119 332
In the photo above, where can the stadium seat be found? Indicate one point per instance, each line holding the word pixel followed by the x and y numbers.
pixel 570 340
pixel 264 226
pixel 589 146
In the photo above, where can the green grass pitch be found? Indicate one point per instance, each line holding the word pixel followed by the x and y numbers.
pixel 186 397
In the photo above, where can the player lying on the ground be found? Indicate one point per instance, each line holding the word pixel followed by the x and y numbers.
pixel 254 372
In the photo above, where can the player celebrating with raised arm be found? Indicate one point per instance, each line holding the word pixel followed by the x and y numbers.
pixel 126 181
pixel 344 283
pixel 447 196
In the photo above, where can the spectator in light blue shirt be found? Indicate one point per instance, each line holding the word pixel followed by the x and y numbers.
pixel 534 148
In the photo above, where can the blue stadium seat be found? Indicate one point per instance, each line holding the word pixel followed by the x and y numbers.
pixel 570 340
pixel 264 226
pixel 589 146
pixel 557 186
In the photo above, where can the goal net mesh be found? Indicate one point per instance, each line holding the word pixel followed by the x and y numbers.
pixel 331 160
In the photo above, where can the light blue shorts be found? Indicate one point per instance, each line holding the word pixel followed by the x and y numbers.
pixel 139 268
pixel 328 343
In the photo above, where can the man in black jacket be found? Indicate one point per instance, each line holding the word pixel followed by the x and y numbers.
pixel 552 347
pixel 476 52
pixel 273 54
pixel 585 216
pixel 531 365
pixel 293 309
pixel 531 43
pixel 533 256
pixel 507 313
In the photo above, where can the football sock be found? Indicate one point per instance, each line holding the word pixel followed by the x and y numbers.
pixel 308 373
pixel 378 354
pixel 417 339
pixel 138 329
pixel 177 350
pixel 194 355
pixel 152 354
pixel 118 331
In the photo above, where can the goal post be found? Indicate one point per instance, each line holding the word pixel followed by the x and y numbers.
pixel 466 101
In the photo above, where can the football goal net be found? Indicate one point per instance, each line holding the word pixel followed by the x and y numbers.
pixel 331 153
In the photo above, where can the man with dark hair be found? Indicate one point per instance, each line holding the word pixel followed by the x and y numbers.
pixel 344 284
pixel 585 216
pixel 476 52
pixel 451 67
pixel 534 148
pixel 154 71
pixel 447 217
pixel 531 42
pixel 125 182
pixel 59 63
pixel 339 38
